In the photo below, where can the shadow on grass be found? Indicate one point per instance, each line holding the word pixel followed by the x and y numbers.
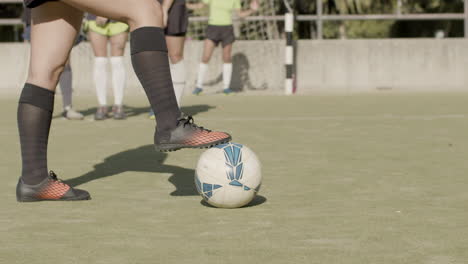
pixel 136 111
pixel 141 159
pixel 144 159
pixel 258 200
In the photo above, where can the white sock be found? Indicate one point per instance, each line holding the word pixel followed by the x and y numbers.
pixel 100 79
pixel 118 79
pixel 227 75
pixel 178 78
pixel 201 74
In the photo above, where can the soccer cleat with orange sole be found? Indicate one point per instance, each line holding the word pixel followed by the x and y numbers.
pixel 50 189
pixel 188 135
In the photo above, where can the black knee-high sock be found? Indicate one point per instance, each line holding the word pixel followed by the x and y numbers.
pixel 35 109
pixel 151 64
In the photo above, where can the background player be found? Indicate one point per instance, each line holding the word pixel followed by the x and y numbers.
pixel 220 30
pixel 66 79
pixel 175 18
pixel 102 31
pixel 55 25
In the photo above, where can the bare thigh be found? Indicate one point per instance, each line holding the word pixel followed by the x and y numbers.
pixel 136 14
pixel 175 46
pixel 118 43
pixel 98 43
pixel 53 32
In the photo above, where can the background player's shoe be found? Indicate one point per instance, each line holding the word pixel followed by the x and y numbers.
pixel 101 113
pixel 118 112
pixel 71 114
pixel 197 91
pixel 228 91
pixel 188 135
pixel 151 115
pixel 50 189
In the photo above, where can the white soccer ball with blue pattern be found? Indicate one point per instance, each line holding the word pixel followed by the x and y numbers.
pixel 228 175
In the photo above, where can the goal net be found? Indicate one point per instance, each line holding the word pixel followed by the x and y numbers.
pixel 257 56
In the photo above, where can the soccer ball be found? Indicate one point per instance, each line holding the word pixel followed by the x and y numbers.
pixel 228 175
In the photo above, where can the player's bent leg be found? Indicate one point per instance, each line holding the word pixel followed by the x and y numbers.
pixel 55 23
pixel 136 14
pixel 151 64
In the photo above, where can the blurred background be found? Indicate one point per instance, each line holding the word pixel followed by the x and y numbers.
pixel 447 24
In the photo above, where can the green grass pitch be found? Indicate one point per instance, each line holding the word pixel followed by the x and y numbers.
pixel 356 179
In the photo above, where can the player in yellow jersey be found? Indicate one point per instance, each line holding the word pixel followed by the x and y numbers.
pixel 102 31
pixel 220 30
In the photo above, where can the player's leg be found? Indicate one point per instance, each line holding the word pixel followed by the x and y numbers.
pixel 228 38
pixel 151 64
pixel 176 30
pixel 99 44
pixel 54 28
pixel 119 75
pixel 175 47
pixel 208 49
pixel 66 82
pixel 227 68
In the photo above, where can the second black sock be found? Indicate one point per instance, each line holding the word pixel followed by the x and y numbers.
pixel 151 64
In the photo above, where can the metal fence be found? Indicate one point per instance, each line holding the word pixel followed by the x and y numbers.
pixel 319 18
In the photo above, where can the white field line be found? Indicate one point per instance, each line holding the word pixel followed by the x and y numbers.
pixel 313 118
pixel 351 117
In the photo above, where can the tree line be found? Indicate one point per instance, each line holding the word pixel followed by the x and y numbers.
pixel 381 29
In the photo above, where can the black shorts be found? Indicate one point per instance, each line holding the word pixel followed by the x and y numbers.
pixel 35 3
pixel 220 34
pixel 177 22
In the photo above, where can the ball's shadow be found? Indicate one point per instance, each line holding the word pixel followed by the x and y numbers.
pixel 258 200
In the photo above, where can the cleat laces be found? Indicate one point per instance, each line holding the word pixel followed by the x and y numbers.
pixel 54 178
pixel 189 121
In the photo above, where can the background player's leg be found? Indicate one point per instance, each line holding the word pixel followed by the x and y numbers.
pixel 227 68
pixel 119 75
pixel 54 28
pixel 175 47
pixel 208 49
pixel 99 45
pixel 66 86
pixel 66 82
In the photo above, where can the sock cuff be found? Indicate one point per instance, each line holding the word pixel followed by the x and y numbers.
pixel 101 60
pixel 147 39
pixel 181 62
pixel 116 59
pixel 37 96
